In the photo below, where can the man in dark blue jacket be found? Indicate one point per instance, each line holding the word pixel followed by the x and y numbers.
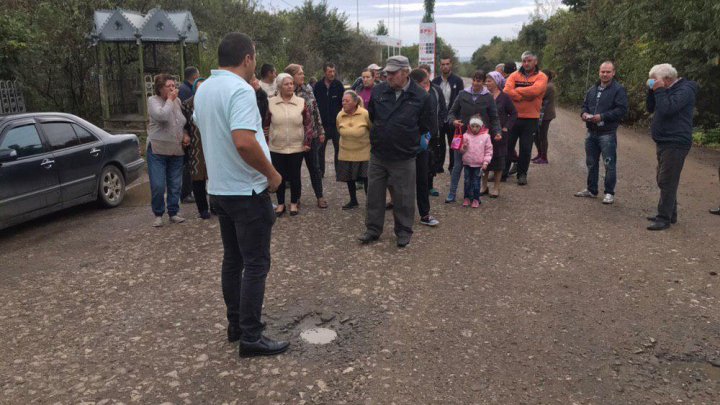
pixel 186 88
pixel 400 111
pixel 451 84
pixel 672 100
pixel 329 93
pixel 604 107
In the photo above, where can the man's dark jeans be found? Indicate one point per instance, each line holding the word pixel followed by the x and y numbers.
pixel 312 163
pixel 245 227
pixel 523 131
pixel 604 144
pixel 671 159
pixel 422 189
pixel 331 134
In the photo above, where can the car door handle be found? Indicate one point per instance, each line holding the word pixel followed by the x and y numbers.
pixel 47 163
pixel 95 151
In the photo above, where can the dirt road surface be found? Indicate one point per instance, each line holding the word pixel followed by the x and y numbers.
pixel 537 297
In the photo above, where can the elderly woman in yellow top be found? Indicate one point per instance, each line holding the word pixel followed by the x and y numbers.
pixel 353 124
pixel 289 136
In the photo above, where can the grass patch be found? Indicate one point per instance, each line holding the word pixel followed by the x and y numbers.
pixel 707 137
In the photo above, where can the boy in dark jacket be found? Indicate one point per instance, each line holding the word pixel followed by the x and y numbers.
pixel 604 107
pixel 329 93
pixel 672 100
pixel 451 85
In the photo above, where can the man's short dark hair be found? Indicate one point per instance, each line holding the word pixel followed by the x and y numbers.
pixel 266 69
pixel 479 75
pixel 443 57
pixel 424 67
pixel 609 62
pixel 191 71
pixel 509 68
pixel 328 65
pixel 233 49
pixel 418 75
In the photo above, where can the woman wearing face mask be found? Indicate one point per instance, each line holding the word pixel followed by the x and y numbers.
pixel 305 92
pixel 474 100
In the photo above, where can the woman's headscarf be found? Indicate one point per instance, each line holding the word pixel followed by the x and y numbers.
pixel 196 82
pixel 498 79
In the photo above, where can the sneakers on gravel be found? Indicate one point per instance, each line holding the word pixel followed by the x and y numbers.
pixel 177 219
pixel 476 204
pixel 466 202
pixel 158 222
pixel 585 193
pixel 429 220
pixel 522 180
pixel 608 199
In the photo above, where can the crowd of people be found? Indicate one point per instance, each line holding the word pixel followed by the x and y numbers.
pixel 242 139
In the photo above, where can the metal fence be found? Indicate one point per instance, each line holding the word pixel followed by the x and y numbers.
pixel 11 97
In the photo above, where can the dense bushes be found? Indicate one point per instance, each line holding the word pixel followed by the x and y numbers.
pixel 636 34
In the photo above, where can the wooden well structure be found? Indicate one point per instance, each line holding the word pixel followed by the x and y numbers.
pixel 131 49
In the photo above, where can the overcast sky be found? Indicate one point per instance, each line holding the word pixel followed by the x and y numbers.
pixel 465 24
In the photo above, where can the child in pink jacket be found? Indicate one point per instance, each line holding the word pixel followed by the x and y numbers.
pixel 477 153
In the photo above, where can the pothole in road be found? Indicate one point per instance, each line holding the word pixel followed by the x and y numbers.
pixel 318 336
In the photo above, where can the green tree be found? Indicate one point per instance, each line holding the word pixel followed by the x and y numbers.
pixel 381 28
pixel 429 15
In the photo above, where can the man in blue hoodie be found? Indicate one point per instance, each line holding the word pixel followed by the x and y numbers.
pixel 672 100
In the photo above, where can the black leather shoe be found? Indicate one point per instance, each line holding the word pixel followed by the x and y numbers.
pixel 350 205
pixel 658 226
pixel 403 241
pixel 263 347
pixel 234 334
pixel 367 238
pixel 655 219
pixel 715 211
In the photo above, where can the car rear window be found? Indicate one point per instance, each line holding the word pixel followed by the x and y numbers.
pixel 84 136
pixel 60 135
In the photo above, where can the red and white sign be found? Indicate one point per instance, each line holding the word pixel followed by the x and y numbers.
pixel 427 46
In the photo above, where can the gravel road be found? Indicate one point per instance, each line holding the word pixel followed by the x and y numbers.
pixel 535 298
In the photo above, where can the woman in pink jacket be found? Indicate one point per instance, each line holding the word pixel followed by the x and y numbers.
pixel 477 152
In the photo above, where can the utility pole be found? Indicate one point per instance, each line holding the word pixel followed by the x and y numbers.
pixel 357 15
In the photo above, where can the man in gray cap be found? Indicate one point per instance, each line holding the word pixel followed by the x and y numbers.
pixel 400 111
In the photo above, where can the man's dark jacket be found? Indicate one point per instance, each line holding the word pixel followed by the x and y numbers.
pixel 185 91
pixel 456 86
pixel 440 108
pixel 612 107
pixel 672 123
pixel 329 100
pixel 397 124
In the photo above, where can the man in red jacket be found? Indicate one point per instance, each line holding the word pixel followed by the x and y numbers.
pixel 526 88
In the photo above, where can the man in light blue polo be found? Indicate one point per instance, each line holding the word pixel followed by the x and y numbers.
pixel 240 177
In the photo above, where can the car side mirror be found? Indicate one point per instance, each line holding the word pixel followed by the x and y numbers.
pixel 8 155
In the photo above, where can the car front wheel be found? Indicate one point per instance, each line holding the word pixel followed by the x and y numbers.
pixel 111 187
